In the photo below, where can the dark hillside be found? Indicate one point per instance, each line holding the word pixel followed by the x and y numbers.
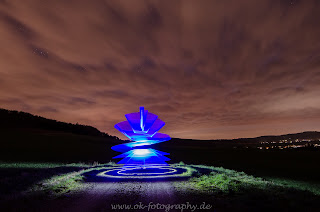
pixel 26 137
pixel 16 119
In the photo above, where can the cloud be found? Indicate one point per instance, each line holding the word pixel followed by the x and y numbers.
pixel 209 69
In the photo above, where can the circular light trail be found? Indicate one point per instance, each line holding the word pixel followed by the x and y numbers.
pixel 153 171
pixel 139 172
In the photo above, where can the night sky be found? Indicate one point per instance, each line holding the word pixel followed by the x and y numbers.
pixel 210 69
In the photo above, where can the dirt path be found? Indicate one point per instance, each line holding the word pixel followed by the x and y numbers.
pixel 100 196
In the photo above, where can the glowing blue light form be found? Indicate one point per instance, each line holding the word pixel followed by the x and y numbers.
pixel 141 128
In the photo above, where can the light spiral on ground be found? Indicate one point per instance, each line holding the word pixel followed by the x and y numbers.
pixel 139 173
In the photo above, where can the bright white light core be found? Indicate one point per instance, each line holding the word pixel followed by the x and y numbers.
pixel 141 151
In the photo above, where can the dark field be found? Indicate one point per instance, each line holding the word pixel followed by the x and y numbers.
pixel 54 146
pixel 299 164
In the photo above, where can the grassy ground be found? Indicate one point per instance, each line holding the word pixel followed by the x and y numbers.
pixel 53 178
pixel 74 181
pixel 227 188
pixel 68 177
pixel 221 180
pixel 238 191
pixel 26 165
pixel 300 185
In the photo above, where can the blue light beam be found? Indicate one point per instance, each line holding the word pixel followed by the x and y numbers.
pixel 141 128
